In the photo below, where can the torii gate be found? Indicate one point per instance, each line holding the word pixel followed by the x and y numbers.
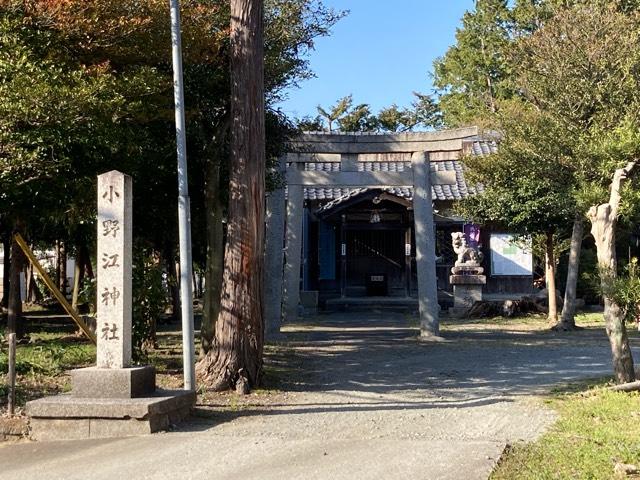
pixel 345 153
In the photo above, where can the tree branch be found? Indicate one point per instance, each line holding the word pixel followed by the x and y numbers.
pixel 619 177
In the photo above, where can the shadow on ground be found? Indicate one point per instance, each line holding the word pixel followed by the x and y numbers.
pixel 381 353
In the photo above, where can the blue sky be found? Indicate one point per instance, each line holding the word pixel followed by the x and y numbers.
pixel 381 52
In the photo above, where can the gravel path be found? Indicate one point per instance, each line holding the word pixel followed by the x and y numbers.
pixel 365 399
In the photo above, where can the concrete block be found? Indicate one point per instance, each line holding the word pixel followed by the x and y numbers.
pixel 467 270
pixel 464 296
pixel 52 429
pixel 66 417
pixel 467 279
pixel 107 428
pixel 132 382
pixel 69 406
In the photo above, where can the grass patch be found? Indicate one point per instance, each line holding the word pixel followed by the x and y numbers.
pixel 41 365
pixel 596 430
pixel 50 354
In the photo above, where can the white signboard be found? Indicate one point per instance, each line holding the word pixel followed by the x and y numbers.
pixel 508 257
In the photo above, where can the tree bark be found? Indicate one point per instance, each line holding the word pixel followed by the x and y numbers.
pixel 33 294
pixel 172 281
pixel 78 275
pixel 236 359
pixel 604 219
pixel 567 319
pixel 215 258
pixel 58 263
pixel 14 318
pixel 62 259
pixel 176 305
pixel 6 274
pixel 551 279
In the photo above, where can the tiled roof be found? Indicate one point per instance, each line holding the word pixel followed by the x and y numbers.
pixel 456 191
pixel 404 192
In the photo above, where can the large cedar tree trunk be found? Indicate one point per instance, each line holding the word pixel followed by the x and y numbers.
pixel 235 361
pixel 567 319
pixel 551 279
pixel 604 219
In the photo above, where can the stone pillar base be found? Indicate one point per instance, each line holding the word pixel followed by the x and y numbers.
pixel 467 290
pixel 132 382
pixel 66 417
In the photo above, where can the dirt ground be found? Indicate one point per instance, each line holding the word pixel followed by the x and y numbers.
pixel 358 396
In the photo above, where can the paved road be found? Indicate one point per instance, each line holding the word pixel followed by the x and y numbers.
pixel 365 400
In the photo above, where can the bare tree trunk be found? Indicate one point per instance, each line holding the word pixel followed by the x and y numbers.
pixel 88 268
pixel 14 319
pixel 33 294
pixel 6 274
pixel 567 319
pixel 78 275
pixel 63 268
pixel 236 359
pixel 215 258
pixel 58 263
pixel 172 281
pixel 176 306
pixel 604 219
pixel 551 279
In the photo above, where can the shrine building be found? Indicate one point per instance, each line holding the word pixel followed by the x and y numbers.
pixel 367 219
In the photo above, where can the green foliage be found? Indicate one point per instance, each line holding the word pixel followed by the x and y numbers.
pixel 527 184
pixel 56 115
pixel 423 113
pixel 88 294
pixel 475 73
pixel 625 290
pixel 49 356
pixel 311 124
pixel 149 300
pixel 341 108
pixel 581 69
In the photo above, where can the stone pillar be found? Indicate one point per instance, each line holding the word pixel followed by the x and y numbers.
pixel 467 281
pixel 293 251
pixel 425 246
pixel 273 262
pixel 114 270
pixel 113 399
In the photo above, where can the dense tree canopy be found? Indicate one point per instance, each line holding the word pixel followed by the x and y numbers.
pixel 86 87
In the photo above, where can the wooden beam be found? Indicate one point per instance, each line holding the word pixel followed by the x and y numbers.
pixel 54 289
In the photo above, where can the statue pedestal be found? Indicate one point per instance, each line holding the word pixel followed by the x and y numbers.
pixel 467 281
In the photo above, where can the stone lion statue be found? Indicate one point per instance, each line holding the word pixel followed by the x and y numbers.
pixel 466 255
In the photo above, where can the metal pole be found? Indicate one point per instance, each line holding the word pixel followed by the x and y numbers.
pixel 184 208
pixel 12 374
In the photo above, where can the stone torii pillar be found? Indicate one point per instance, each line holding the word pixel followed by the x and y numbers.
pixel 293 251
pixel 274 259
pixel 425 246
